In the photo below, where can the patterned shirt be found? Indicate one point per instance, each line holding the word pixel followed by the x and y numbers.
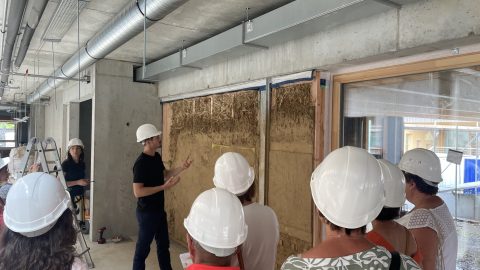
pixel 376 258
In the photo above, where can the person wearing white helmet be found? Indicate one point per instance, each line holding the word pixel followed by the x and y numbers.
pixel 430 221
pixel 74 171
pixel 39 226
pixel 216 229
pixel 233 173
pixel 348 191
pixel 149 174
pixel 386 232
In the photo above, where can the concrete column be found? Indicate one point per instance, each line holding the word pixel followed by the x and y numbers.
pixel 119 107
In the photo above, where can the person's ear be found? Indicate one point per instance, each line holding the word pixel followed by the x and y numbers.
pixel 322 219
pixel 190 246
pixel 410 184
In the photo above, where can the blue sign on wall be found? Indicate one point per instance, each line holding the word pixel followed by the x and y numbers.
pixel 471 174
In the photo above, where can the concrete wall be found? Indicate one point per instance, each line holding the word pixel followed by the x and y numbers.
pixel 61 119
pixel 120 106
pixel 418 27
pixel 37 120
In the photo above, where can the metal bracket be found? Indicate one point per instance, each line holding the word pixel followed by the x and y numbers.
pixel 244 29
pixel 181 60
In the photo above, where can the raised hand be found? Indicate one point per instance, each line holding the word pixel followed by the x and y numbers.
pixel 187 162
pixel 172 181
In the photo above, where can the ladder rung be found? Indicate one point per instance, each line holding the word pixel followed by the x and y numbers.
pixel 49 150
pixel 84 251
pixel 54 171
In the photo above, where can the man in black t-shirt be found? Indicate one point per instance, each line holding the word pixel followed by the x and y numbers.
pixel 149 175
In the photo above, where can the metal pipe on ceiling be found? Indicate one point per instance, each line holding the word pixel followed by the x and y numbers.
pixel 85 78
pixel 33 14
pixel 126 25
pixel 15 15
pixel 4 22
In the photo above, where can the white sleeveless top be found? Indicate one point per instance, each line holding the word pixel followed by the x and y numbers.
pixel 440 220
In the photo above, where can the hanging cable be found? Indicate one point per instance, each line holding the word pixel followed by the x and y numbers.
pixel 78 45
pixel 32 105
pixel 37 109
pixel 54 79
pixel 144 39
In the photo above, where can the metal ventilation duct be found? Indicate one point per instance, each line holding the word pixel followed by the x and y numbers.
pixel 33 14
pixel 291 21
pixel 15 14
pixel 126 25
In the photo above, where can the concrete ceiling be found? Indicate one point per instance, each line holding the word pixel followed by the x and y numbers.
pixel 195 21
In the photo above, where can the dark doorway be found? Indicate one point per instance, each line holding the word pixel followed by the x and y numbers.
pixel 85 132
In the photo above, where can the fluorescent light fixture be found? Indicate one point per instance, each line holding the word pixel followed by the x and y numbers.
pixel 63 18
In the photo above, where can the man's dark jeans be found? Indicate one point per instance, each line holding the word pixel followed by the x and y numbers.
pixel 152 224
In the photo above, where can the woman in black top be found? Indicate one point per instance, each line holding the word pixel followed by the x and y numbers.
pixel 74 170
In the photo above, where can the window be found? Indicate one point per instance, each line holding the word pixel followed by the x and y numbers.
pixel 437 111
pixel 7 134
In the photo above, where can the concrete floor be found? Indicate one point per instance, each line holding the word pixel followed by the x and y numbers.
pixel 468 245
pixel 119 256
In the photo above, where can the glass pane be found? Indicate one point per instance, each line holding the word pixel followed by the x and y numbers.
pixel 437 111
pixel 7 134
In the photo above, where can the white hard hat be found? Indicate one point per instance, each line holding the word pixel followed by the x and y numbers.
pixel 347 187
pixel 147 131
pixel 423 163
pixel 34 204
pixel 233 173
pixel 216 221
pixel 4 161
pixel 394 184
pixel 75 142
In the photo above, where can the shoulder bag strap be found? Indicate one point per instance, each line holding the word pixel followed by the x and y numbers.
pixel 395 262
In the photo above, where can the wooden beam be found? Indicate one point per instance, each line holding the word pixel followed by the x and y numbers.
pixel 452 62
pixel 318 97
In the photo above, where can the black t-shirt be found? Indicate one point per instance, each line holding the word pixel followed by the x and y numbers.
pixel 74 171
pixel 149 171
